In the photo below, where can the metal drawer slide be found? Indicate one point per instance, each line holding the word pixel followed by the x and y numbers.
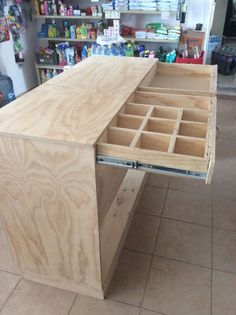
pixel 149 168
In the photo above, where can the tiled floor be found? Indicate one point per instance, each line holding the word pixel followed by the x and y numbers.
pixel 179 256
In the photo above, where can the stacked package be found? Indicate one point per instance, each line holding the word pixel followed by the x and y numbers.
pixel 174 32
pixel 120 4
pixel 157 30
pixel 167 5
pixel 146 5
pixel 107 6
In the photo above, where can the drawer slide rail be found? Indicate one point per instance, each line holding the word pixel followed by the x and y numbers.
pixel 149 168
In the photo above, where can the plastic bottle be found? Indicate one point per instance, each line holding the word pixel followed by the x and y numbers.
pixel 106 50
pixel 54 28
pixel 84 53
pixel 99 50
pixel 54 8
pixel 43 76
pixel 83 31
pixel 45 7
pixel 48 75
pixel 54 73
pixel 129 51
pixel 42 9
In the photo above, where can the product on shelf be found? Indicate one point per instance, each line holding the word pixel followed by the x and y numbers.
pixel 58 7
pixel 46 56
pixel 47 74
pixel 83 31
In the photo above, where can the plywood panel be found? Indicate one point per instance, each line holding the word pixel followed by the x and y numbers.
pixel 77 105
pixel 48 206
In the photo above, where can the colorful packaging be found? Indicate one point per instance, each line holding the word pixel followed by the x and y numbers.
pixel 70 56
pixel 72 31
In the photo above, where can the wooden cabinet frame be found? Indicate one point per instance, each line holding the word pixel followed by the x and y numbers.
pixel 74 153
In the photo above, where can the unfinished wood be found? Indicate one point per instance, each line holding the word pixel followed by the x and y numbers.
pixel 114 223
pixel 49 208
pixel 197 116
pixel 175 131
pixel 108 181
pixel 120 136
pixel 152 141
pixel 166 113
pixel 181 79
pixel 129 121
pixel 77 105
pixel 160 125
pixel 179 101
pixel 133 109
pixel 190 147
pixel 193 130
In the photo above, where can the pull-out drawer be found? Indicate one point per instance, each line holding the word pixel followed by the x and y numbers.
pixel 157 132
pixel 181 79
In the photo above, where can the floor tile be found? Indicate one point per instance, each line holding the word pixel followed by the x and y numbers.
pixel 226 118
pixel 152 200
pixel 177 288
pixel 142 234
pixel 223 293
pixel 224 213
pixel 225 148
pixel 196 186
pixel 89 306
pixel 188 207
pixel 224 179
pixel 158 180
pixel 129 278
pixel 7 284
pixel 6 261
pixel 33 298
pixel 185 241
pixel 224 250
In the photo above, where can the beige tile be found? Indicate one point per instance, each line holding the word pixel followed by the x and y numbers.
pixel 224 213
pixel 188 207
pixel 7 284
pixel 196 186
pixel 177 288
pixel 158 180
pixel 185 241
pixel 224 250
pixel 33 298
pixel 89 306
pixel 225 148
pixel 6 261
pixel 224 180
pixel 152 200
pixel 223 293
pixel 142 234
pixel 129 278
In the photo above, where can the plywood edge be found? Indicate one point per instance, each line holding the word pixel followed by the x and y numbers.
pixel 212 143
pixel 164 159
pixel 116 221
pixel 213 87
pixel 174 91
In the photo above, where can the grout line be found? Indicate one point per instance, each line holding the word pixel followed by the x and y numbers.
pixel 220 270
pixel 11 273
pixel 173 219
pixel 122 302
pixel 73 303
pixel 153 256
pixel 190 192
pixel 182 261
pixel 10 295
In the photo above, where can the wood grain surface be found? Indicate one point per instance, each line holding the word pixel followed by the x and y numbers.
pixel 77 105
pixel 49 209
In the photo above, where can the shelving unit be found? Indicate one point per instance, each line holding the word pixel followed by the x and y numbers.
pixel 61 39
pixel 143 12
pixel 68 17
pixel 149 40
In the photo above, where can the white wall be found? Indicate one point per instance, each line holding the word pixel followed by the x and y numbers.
pixel 23 76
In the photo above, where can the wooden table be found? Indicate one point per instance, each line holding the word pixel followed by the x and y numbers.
pixel 74 153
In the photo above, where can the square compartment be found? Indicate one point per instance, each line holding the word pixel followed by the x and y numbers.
pixel 193 130
pixel 160 125
pixel 153 142
pixel 198 116
pixel 138 110
pixel 120 137
pixel 190 147
pixel 128 121
pixel 168 113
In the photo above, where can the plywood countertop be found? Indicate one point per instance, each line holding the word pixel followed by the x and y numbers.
pixel 77 106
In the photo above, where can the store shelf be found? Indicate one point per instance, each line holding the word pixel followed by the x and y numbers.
pixel 64 39
pixel 150 40
pixel 56 67
pixel 72 17
pixel 143 12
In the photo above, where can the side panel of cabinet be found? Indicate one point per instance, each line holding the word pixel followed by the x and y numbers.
pixel 49 210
